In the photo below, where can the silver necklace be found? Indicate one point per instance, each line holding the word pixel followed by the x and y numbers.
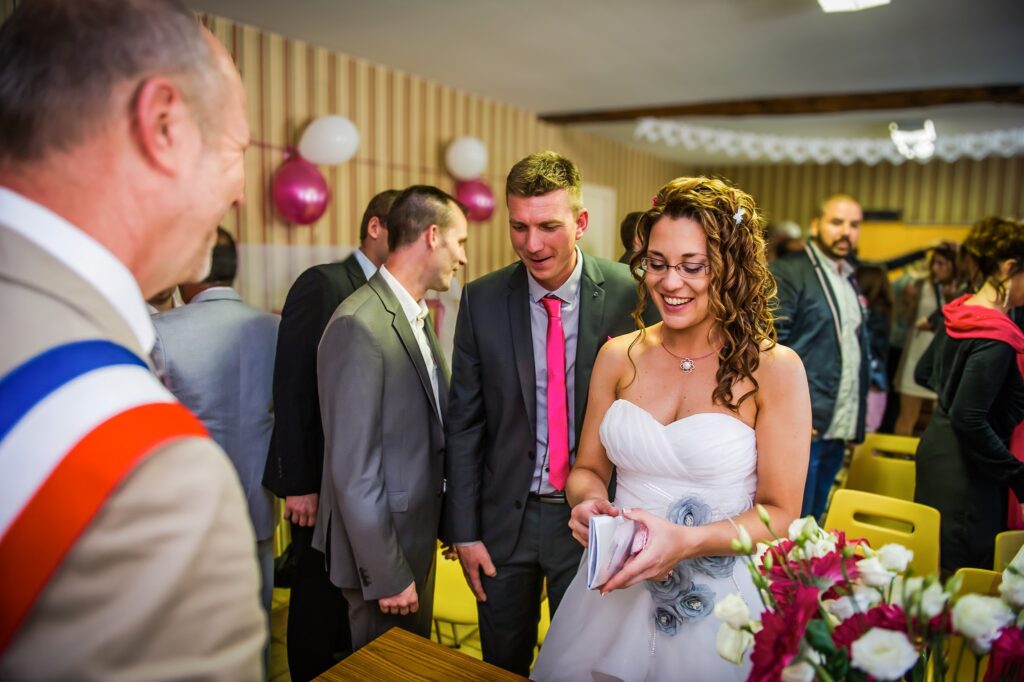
pixel 687 364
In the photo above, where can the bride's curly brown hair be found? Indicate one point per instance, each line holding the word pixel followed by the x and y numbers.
pixel 741 289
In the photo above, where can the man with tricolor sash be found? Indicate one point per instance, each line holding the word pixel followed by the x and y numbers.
pixel 126 551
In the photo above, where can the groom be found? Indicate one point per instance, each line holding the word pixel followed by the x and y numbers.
pixel 525 344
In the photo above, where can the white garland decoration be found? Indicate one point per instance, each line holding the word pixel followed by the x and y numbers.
pixel 776 148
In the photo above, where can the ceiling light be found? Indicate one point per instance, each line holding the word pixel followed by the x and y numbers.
pixel 849 5
pixel 914 143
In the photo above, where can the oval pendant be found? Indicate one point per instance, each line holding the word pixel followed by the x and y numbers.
pixel 686 364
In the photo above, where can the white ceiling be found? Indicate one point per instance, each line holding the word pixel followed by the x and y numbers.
pixel 552 56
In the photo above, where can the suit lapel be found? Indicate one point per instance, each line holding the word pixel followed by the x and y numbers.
pixel 522 341
pixel 443 373
pixel 588 338
pixel 354 271
pixel 404 331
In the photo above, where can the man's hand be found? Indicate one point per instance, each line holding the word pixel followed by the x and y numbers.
pixel 579 522
pixel 403 603
pixel 475 558
pixel 301 509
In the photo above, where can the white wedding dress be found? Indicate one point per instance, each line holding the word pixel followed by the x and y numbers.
pixel 708 457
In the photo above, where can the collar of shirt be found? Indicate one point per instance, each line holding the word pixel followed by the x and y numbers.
pixel 215 293
pixel 369 269
pixel 84 256
pixel 567 292
pixel 414 310
pixel 840 267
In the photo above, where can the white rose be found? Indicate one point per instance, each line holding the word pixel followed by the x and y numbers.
pixel 841 608
pixel 799 672
pixel 895 557
pixel 820 547
pixel 733 610
pixel 863 598
pixel 1012 588
pixel 731 643
pixel 980 618
pixel 883 654
pixel 933 600
pixel 806 527
pixel 873 573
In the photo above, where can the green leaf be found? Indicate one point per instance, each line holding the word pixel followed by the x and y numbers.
pixel 818 637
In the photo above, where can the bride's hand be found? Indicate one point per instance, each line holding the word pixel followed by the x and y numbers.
pixel 664 549
pixel 579 522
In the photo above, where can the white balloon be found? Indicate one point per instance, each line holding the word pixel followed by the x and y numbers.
pixel 466 158
pixel 329 140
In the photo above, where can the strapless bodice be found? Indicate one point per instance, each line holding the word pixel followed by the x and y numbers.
pixel 709 454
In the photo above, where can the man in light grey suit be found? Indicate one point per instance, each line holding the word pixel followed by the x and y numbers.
pixel 383 386
pixel 216 355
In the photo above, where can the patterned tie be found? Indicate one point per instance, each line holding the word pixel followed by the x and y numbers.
pixel 558 416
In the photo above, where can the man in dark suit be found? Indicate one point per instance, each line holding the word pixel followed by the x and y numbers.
pixel 513 422
pixel 383 385
pixel 317 614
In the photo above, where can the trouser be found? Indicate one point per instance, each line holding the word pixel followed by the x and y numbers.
pixel 825 461
pixel 318 631
pixel 545 549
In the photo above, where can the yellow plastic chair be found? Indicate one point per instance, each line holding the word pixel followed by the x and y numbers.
pixel 975 581
pixel 884 464
pixel 1008 544
pixel 282 529
pixel 881 520
pixel 454 602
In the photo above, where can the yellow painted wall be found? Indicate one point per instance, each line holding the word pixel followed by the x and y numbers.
pixel 879 241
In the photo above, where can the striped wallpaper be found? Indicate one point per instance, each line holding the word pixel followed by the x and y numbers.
pixel 405 122
pixel 935 193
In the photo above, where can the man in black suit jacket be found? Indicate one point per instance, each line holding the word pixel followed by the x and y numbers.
pixel 318 632
pixel 506 517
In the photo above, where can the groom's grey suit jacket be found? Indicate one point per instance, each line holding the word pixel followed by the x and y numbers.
pixel 383 479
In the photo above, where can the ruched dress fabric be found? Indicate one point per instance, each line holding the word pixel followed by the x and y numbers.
pixel 711 456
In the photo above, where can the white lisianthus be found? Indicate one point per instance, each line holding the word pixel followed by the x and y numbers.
pixel 905 592
pixel 820 547
pixel 731 643
pixel 883 654
pixel 803 528
pixel 1012 588
pixel 873 573
pixel 895 557
pixel 798 672
pixel 980 618
pixel 933 600
pixel 863 598
pixel 733 610
pixel 759 553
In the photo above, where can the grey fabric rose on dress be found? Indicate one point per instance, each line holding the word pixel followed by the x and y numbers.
pixel 666 620
pixel 689 511
pixel 666 592
pixel 695 603
pixel 715 566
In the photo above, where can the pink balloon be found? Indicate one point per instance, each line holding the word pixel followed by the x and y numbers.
pixel 477 197
pixel 300 192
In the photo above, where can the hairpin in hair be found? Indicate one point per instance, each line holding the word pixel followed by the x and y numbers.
pixel 737 217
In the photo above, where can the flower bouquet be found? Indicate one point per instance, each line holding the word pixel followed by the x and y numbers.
pixel 836 609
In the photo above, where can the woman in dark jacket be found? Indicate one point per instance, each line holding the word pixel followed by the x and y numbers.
pixel 965 466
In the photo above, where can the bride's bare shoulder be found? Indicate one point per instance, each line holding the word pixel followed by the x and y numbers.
pixel 780 367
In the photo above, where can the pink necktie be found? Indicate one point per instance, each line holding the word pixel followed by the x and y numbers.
pixel 558 417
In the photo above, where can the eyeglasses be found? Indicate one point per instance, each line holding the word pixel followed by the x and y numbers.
pixel 686 270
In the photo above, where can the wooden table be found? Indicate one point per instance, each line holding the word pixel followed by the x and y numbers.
pixel 401 655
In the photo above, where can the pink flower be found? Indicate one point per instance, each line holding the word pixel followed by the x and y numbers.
pixel 778 642
pixel 885 616
pixel 1007 652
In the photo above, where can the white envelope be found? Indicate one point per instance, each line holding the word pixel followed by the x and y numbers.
pixel 612 540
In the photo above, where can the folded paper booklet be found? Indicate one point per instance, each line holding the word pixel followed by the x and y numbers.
pixel 613 539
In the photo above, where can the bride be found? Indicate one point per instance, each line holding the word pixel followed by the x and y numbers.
pixel 701 416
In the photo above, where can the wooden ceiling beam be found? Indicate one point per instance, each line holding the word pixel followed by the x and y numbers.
pixel 811 104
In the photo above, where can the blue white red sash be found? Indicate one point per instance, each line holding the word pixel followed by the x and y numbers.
pixel 74 420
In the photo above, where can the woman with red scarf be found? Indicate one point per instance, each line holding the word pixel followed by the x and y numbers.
pixel 965 467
